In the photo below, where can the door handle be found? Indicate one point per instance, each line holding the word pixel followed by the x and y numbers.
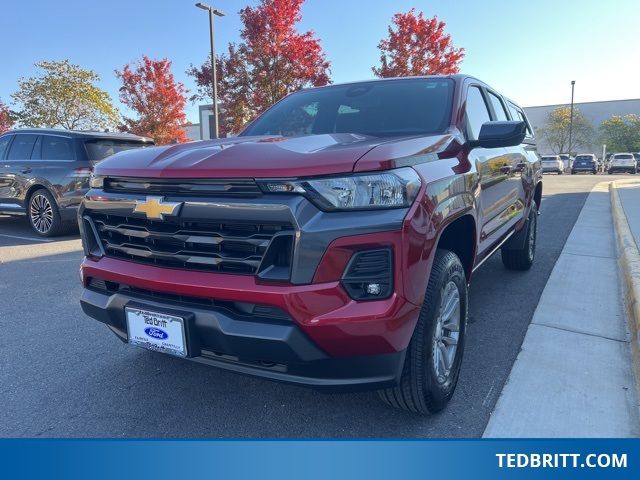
pixel 26 170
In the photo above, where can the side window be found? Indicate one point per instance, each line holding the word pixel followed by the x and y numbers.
pixel 37 149
pixel 518 114
pixel 57 148
pixel 498 107
pixel 21 147
pixel 4 144
pixel 513 110
pixel 476 112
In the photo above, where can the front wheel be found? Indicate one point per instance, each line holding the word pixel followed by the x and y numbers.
pixel 434 354
pixel 522 258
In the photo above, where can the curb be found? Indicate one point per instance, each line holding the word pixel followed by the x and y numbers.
pixel 629 264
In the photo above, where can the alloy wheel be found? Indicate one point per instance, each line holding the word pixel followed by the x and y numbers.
pixel 533 228
pixel 41 213
pixel 447 333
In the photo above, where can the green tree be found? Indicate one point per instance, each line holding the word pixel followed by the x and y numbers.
pixel 621 134
pixel 556 130
pixel 64 95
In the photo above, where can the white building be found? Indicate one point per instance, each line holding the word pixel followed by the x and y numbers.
pixel 204 129
pixel 595 112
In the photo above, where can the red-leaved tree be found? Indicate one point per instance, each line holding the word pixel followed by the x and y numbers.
pixel 6 122
pixel 417 46
pixel 272 60
pixel 149 89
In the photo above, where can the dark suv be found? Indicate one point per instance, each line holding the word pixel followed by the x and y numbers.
pixel 330 244
pixel 586 162
pixel 44 173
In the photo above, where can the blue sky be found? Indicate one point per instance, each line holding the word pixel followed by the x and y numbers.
pixel 528 50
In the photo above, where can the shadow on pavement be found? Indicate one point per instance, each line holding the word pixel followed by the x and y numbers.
pixel 15 230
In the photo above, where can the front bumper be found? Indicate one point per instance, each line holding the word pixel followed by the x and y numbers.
pixel 350 346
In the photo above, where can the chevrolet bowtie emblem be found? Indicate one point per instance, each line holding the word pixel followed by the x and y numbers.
pixel 155 208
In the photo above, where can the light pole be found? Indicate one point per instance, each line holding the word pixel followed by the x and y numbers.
pixel 214 84
pixel 573 83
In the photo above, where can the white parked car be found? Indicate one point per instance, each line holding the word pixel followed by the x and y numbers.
pixel 552 163
pixel 622 162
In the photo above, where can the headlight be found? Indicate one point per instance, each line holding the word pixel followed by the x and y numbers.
pixel 96 181
pixel 390 189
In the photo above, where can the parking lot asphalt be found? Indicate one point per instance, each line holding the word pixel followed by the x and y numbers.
pixel 65 375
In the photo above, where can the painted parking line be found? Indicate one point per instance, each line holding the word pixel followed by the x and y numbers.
pixel 31 239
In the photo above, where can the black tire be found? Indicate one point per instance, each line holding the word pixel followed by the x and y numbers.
pixel 523 258
pixel 420 389
pixel 559 172
pixel 42 201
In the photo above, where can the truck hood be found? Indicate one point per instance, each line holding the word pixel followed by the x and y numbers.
pixel 262 157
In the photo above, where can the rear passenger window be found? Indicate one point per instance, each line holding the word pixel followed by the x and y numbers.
pixel 4 143
pixel 37 149
pixel 498 107
pixel 518 115
pixel 514 112
pixel 21 147
pixel 476 112
pixel 57 148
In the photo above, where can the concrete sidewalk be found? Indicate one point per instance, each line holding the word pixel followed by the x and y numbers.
pixel 574 376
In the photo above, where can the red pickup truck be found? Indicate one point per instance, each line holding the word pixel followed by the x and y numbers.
pixel 329 245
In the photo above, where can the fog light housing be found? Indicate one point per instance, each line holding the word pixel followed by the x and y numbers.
pixel 374 289
pixel 369 275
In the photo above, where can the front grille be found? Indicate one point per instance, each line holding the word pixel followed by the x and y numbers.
pixel 193 187
pixel 195 244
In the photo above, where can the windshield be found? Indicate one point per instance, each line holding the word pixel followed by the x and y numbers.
pixel 382 108
pixel 584 158
pixel 549 159
pixel 623 156
pixel 99 149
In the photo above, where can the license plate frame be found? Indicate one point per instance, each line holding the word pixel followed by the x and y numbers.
pixel 157 331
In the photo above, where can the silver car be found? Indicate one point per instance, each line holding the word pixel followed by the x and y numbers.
pixel 552 163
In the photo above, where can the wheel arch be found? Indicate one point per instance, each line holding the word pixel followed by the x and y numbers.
pixel 35 187
pixel 537 195
pixel 460 237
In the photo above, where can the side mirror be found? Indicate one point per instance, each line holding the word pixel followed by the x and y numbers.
pixel 500 134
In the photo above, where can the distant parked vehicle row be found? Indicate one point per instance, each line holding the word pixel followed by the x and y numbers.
pixel 552 164
pixel 44 173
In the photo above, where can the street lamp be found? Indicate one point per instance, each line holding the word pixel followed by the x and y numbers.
pixel 214 84
pixel 573 83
